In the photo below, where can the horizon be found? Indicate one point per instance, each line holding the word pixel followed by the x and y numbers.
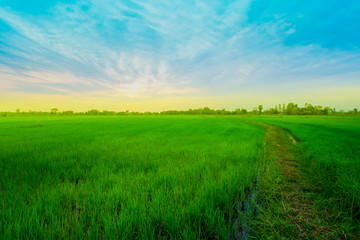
pixel 143 56
pixel 280 109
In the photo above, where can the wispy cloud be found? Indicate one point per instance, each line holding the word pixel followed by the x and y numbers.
pixel 144 48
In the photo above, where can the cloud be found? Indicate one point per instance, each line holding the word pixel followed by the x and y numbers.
pixel 147 48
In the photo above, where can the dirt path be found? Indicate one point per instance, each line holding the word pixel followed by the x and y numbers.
pixel 287 209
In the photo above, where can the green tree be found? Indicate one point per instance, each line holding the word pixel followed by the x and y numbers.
pixel 93 112
pixel 255 110
pixel 69 112
pixel 54 111
pixel 206 110
pixel 326 110
pixel 318 109
pixel 237 111
pixel 260 108
pixel 291 109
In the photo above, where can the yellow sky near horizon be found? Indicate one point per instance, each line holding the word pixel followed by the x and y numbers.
pixel 346 98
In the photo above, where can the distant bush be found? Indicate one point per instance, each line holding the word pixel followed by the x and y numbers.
pixel 289 109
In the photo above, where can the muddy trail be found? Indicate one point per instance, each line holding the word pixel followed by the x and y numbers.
pixel 287 208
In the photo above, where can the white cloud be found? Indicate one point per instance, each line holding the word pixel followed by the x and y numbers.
pixel 157 48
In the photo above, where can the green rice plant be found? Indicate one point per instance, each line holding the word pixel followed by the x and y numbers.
pixel 129 177
pixel 329 154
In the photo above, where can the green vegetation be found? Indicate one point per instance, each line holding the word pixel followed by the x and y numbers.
pixel 290 109
pixel 172 176
pixel 125 177
pixel 329 157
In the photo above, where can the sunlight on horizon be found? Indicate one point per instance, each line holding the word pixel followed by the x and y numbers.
pixel 146 56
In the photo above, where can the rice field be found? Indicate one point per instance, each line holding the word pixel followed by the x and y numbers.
pixel 125 177
pixel 151 177
pixel 329 153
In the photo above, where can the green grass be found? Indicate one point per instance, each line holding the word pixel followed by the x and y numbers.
pixel 124 177
pixel 148 177
pixel 329 153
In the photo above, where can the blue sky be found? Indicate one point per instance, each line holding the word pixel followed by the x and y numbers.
pixel 143 54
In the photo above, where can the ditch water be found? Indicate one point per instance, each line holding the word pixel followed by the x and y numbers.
pixel 248 209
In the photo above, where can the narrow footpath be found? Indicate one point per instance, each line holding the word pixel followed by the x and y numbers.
pixel 287 209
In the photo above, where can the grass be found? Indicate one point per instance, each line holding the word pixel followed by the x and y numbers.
pixel 125 177
pixel 150 177
pixel 329 159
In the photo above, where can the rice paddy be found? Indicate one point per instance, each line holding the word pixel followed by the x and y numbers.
pixel 124 177
pixel 151 177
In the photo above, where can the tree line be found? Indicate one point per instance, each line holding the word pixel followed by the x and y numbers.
pixel 281 109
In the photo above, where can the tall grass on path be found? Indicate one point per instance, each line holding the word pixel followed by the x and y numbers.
pixel 329 152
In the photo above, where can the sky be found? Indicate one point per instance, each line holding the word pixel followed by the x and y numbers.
pixel 143 55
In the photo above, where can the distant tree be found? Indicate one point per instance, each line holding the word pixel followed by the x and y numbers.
pixel 318 109
pixel 254 111
pixel 260 107
pixel 326 110
pixel 237 111
pixel 309 109
pixel 69 112
pixel 106 112
pixel 272 110
pixel 206 110
pixel 291 109
pixel 93 112
pixel 54 111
